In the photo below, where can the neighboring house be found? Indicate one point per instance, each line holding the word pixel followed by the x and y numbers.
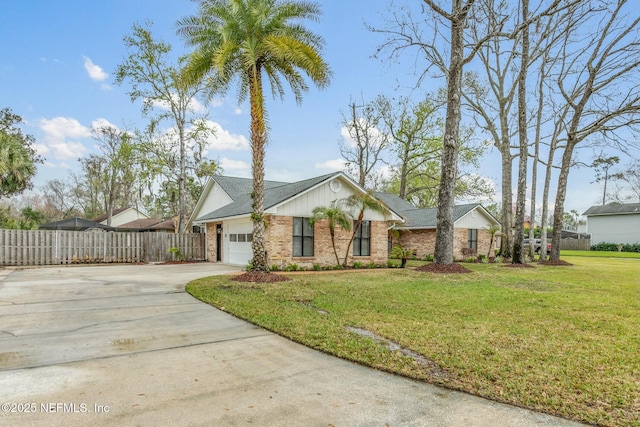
pixel 149 225
pixel 225 206
pixel 122 216
pixel 614 223
pixel 471 224
pixel 76 224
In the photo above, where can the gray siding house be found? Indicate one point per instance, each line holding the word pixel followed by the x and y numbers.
pixel 614 223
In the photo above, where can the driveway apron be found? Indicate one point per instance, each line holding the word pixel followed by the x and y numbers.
pixel 125 345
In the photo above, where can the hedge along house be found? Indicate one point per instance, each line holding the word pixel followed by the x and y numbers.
pixel 225 206
pixel 471 223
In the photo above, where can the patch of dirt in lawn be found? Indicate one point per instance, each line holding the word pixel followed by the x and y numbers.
pixel 557 262
pixel 260 277
pixel 519 265
pixel 444 268
pixel 433 368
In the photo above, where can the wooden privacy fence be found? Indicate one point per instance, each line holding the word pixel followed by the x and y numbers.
pixel 51 247
pixel 575 244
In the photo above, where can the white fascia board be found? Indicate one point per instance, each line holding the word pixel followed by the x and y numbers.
pixel 221 219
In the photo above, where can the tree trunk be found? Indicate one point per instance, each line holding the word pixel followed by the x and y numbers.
pixel 258 140
pixel 518 240
pixel 446 194
pixel 506 241
pixel 561 195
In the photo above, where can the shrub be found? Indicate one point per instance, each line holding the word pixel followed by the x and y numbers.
pixel 275 267
pixel 292 267
pixel 358 264
pixel 616 247
pixel 316 267
pixel 176 253
pixel 372 265
pixel 428 257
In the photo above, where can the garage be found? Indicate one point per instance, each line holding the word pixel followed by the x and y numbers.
pixel 238 237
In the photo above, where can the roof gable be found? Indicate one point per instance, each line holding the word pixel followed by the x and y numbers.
pixel 275 193
pixel 426 217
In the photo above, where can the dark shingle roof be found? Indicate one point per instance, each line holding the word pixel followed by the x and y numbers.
pixel 147 224
pixel 236 187
pixel 420 217
pixel 239 189
pixel 104 216
pixel 74 224
pixel 613 208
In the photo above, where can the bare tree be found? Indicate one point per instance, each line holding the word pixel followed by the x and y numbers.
pixel 367 142
pixel 632 178
pixel 598 81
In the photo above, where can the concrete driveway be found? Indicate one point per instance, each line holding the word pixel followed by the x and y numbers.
pixel 125 345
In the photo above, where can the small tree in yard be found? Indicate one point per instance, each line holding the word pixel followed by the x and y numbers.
pixel 361 202
pixel 493 230
pixel 336 217
pixel 401 253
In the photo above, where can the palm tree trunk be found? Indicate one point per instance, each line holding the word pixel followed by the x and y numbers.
pixel 258 140
pixel 333 243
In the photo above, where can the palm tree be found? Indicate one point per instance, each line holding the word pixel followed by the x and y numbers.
pixel 493 229
pixel 242 40
pixel 361 203
pixel 336 217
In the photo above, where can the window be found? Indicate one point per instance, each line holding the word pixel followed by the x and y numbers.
pixel 302 237
pixel 233 237
pixel 472 238
pixel 362 239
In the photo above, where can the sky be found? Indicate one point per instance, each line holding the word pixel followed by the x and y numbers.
pixel 57 72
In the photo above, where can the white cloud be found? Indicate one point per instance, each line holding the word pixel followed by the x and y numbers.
pixel 236 167
pixel 102 123
pixel 61 135
pixel 95 72
pixel 331 165
pixel 194 105
pixel 223 140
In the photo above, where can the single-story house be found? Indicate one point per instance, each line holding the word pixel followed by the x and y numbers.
pixel 224 208
pixel 471 223
pixel 75 224
pixel 122 216
pixel 614 223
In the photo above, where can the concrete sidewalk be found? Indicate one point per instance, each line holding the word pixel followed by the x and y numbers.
pixel 125 345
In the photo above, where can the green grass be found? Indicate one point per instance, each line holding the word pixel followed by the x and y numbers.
pixel 562 340
pixel 601 254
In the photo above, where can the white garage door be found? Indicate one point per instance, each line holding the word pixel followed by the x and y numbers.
pixel 238 237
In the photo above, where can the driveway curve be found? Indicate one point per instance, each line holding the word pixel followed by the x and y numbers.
pixel 125 345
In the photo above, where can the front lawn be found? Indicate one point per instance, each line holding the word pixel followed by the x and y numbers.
pixel 600 254
pixel 563 340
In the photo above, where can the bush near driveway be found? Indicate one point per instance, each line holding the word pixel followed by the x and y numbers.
pixel 563 340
